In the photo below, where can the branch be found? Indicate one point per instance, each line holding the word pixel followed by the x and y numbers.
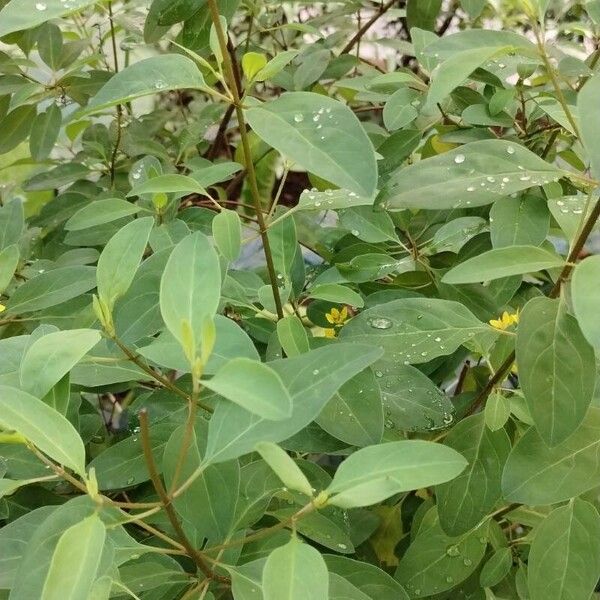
pixel 359 34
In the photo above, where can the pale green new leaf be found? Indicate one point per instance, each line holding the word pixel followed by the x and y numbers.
pixel 44 427
pixel 9 260
pixel 190 290
pixel 295 571
pixel 564 560
pixel 503 262
pixel 475 174
pixel 321 135
pixel 496 568
pixel 375 473
pixel 121 258
pixel 292 335
pixel 254 386
pixel 52 356
pixel 149 76
pixel 284 467
pixel 75 561
pixel 227 232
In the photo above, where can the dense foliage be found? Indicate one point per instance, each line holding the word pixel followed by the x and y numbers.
pixel 299 300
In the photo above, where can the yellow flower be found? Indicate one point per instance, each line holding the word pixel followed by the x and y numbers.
pixel 337 317
pixel 329 333
pixel 505 321
pixel 2 308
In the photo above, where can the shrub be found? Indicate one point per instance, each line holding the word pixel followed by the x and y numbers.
pixel 296 300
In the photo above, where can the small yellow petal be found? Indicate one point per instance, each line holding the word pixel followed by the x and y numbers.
pixel 515 318
pixel 329 333
pixel 497 324
pixel 2 308
pixel 335 313
pixel 329 318
pixel 344 314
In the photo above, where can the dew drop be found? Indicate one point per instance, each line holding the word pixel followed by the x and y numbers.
pixel 380 323
pixel 299 117
pixel 470 189
pixel 459 158
pixel 452 551
pixel 467 562
pixel 316 372
pixel 510 150
pixel 40 6
pixel 449 579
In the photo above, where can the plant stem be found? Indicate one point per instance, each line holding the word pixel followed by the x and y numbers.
pixel 193 553
pixel 119 108
pixel 251 173
pixel 555 83
pixel 155 375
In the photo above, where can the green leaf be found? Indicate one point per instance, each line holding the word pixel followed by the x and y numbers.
pixel 368 225
pixel 497 411
pixel 12 222
pixel 217 489
pixel 557 369
pixel 587 99
pixel 411 401
pixel 254 386
pixel 368 578
pixel 454 70
pixel 414 330
pixel 475 174
pixel 101 212
pixel 52 288
pixel 36 558
pixel 122 465
pixel 190 290
pixel 321 135
pixel 496 568
pixel 52 356
pixel 373 474
pixel 399 111
pixel 295 571
pixel 181 184
pixel 9 260
pixel 537 474
pixel 43 426
pixel 75 561
pixel 44 132
pixel 121 258
pixel 435 562
pixel 522 221
pixel 465 501
pixel 335 292
pixel 284 467
pixel 25 14
pixel 564 560
pixel 503 262
pixel 355 415
pixel 586 297
pixel 253 63
pixel 422 13
pixel 292 336
pixel 17 125
pixel 330 200
pixel 157 74
pixel 233 431
pixel 227 232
